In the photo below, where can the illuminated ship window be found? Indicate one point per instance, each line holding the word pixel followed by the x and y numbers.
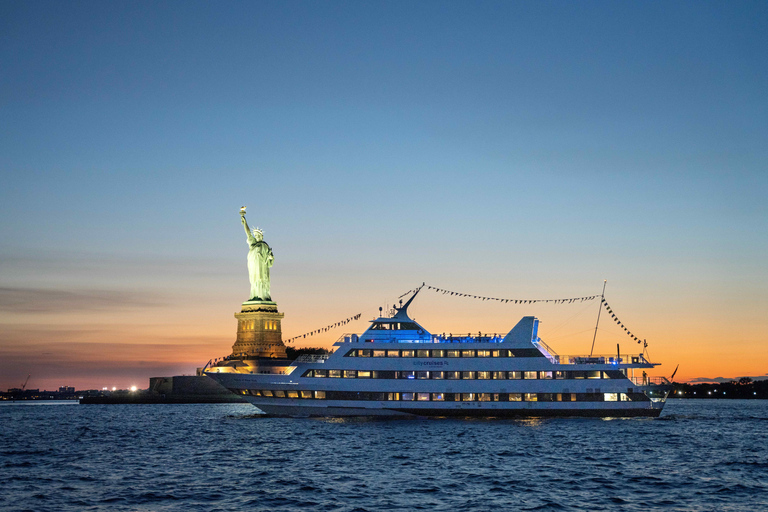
pixel 422 353
pixel 500 375
pixel 334 373
pixel 437 375
pixel 438 353
pixel 468 375
pixel 530 375
pixel 422 375
pixel 484 353
pixel 515 397
pixel 279 394
pixel 484 397
pixel 349 374
pixel 361 374
pixel 293 394
pixel 379 353
pixel 407 396
pixel 453 353
pixel 452 375
pixel 306 394
pixel 422 397
pixel 531 397
pixel 437 397
pixel 483 375
pixel 407 353
pixel 545 375
pixel 393 353
pixel 320 394
pixel 467 397
pixel 467 353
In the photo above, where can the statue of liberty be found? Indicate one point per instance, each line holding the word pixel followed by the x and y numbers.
pixel 260 258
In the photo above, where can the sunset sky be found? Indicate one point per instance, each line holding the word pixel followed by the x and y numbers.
pixel 523 150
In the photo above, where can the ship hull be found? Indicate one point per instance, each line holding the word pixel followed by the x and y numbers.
pixel 344 408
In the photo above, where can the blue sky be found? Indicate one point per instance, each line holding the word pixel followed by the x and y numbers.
pixel 492 147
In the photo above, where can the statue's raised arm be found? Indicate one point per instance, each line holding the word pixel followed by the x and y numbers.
pixel 248 233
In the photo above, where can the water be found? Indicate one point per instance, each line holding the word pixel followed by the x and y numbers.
pixel 699 455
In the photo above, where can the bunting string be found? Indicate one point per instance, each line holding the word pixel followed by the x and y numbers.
pixel 324 329
pixel 513 301
pixel 621 324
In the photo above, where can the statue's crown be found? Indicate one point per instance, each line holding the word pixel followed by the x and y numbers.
pixel 257 231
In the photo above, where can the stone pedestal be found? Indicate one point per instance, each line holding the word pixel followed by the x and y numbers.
pixel 258 331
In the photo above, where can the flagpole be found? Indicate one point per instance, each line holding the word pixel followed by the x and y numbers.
pixel 602 300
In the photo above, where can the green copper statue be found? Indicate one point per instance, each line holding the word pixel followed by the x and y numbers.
pixel 260 258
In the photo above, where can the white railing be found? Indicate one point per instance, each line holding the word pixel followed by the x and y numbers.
pixel 312 358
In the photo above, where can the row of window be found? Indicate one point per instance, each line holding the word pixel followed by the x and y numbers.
pixel 440 353
pixel 384 374
pixel 448 397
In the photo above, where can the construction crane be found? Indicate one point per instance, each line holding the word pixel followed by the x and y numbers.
pixel 23 386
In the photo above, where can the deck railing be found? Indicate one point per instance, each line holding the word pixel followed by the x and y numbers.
pixel 650 381
pixel 312 358
pixel 601 359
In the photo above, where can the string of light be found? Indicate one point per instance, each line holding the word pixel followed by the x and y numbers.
pixel 325 329
pixel 620 324
pixel 513 301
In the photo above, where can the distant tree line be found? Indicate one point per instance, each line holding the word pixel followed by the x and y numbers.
pixel 742 388
pixel 293 353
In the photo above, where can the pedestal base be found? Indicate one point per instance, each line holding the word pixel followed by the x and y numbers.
pixel 258 331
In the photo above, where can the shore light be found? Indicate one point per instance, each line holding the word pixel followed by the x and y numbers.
pixel 133 389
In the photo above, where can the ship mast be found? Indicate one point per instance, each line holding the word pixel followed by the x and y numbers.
pixel 602 300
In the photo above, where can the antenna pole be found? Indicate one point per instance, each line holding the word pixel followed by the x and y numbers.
pixel 602 300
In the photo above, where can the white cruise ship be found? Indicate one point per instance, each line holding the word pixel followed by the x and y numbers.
pixel 397 368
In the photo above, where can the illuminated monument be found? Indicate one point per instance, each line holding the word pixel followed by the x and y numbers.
pixel 258 323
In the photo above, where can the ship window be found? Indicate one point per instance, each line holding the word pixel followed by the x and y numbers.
pixel 453 353
pixel 483 375
pixel 266 392
pixel 515 375
pixel 320 394
pixel 321 373
pixel 393 353
pixel 393 396
pixel 364 353
pixel 279 394
pixel 379 353
pixel 468 375
pixel 349 374
pixel 531 397
pixel 560 375
pixel 377 326
pixel 385 374
pixel 351 353
pixel 546 397
pixel 452 375
pixel 361 374
pixel 422 375
pixel 306 394
pixel 545 375
pixel 467 397
pixel 309 373
pixel 577 374
pixel 422 353
pixel 423 397
pixel 515 397
pixel 483 353
pixel 573 397
pixel 625 398
pixel 437 375
pixel 437 397
pixel 529 375
pixel 593 375
pixel 438 353
pixel 467 353
pixel 293 394
pixel 334 373
pixel 610 397
pixel 254 392
pixel 407 375
pixel 408 326
pixel 500 375
pixel 406 396
pixel 407 353
pixel 484 397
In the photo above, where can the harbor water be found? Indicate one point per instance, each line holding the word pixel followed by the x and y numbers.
pixel 699 455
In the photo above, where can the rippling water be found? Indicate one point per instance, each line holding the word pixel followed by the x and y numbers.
pixel 699 455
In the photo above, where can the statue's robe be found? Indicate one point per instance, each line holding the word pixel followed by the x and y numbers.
pixel 260 259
